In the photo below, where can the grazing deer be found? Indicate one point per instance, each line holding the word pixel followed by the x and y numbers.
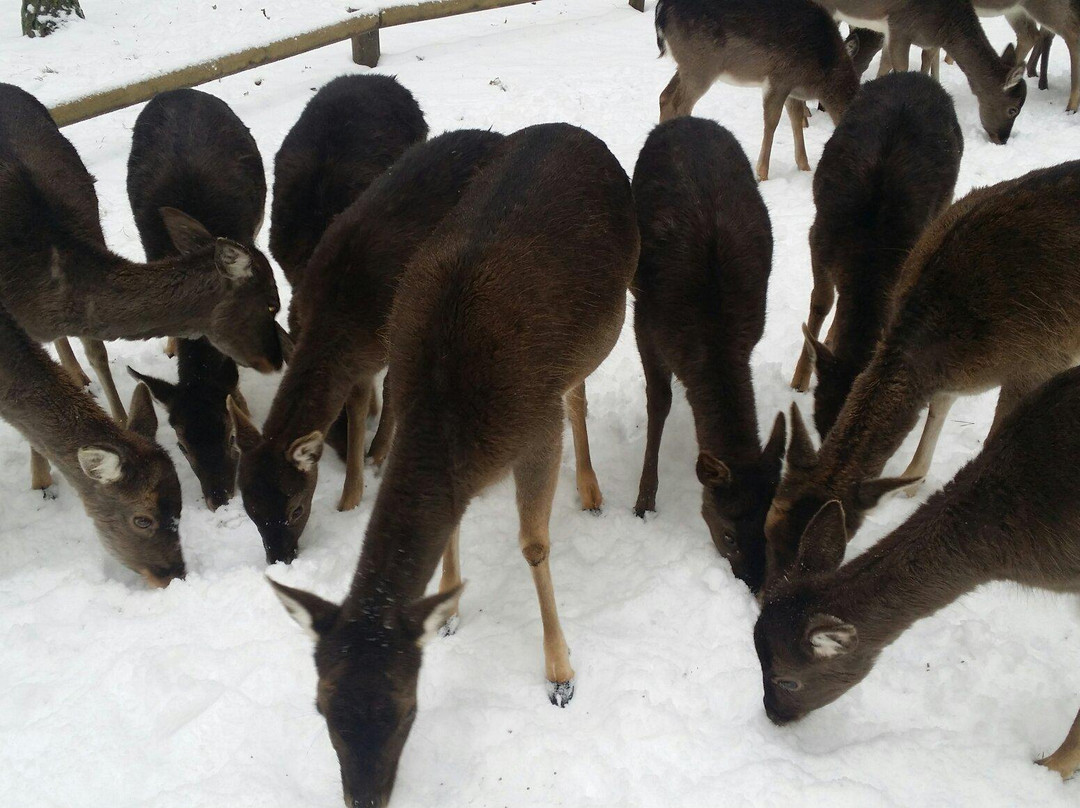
pixel 342 305
pixel 888 170
pixel 190 151
pixel 1003 518
pixel 497 322
pixel 706 255
pixel 751 42
pixel 952 25
pixel 989 296
pixel 126 481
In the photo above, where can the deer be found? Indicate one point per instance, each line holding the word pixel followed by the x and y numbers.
pixel 349 133
pixel 57 277
pixel 342 306
pixel 1002 518
pixel 952 25
pixel 125 480
pixel 1039 60
pixel 889 169
pixel 191 152
pixel 988 297
pixel 497 321
pixel 749 42
pixel 706 256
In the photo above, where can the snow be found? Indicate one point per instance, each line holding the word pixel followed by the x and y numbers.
pixel 202 695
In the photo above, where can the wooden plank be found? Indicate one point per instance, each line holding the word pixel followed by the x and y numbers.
pixel 366 49
pixel 436 9
pixel 638 4
pixel 111 100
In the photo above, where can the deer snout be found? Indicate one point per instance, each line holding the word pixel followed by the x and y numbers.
pixel 216 498
pixel 161 578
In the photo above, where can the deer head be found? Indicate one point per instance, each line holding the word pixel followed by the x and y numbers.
pixel 277 482
pixel 1001 102
pixel 368 665
pixel 205 431
pixel 131 492
pixel 735 500
pixel 242 324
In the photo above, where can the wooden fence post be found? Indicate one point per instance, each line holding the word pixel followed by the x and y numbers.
pixel 638 4
pixel 365 48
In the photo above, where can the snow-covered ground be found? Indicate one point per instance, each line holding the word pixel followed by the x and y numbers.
pixel 201 695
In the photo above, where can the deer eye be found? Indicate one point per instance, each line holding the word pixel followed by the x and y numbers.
pixel 729 540
pixel 143 522
pixel 183 449
pixel 787 684
pixel 298 511
pixel 1014 111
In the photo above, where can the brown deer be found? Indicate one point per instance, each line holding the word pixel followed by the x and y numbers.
pixel 498 320
pixel 341 305
pixel 1003 518
pixel 790 48
pixel 888 170
pixel 190 151
pixel 989 296
pixel 952 25
pixel 706 255
pixel 126 481
pixel 1039 61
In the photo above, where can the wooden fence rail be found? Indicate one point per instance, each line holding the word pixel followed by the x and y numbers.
pixel 362 29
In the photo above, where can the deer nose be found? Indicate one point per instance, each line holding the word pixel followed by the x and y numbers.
pixel 216 498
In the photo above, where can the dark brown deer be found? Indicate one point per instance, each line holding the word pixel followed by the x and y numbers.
pixel 790 48
pixel 888 170
pixel 126 481
pixel 342 304
pixel 1003 518
pixel 1039 61
pixel 706 255
pixel 507 309
pixel 190 152
pixel 952 25
pixel 989 296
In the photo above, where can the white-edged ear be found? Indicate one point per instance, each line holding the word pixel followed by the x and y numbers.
pixel 830 637
pixel 305 452
pixel 426 616
pixel 232 259
pixel 313 614
pixel 100 465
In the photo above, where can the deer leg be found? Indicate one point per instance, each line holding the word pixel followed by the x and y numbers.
pixel 940 404
pixel 577 408
pixel 451 578
pixel 931 62
pixel 682 92
pixel 1027 33
pixel 772 106
pixel 384 435
pixel 1044 60
pixel 949 60
pixel 796 113
pixel 900 54
pixel 99 361
pixel 821 302
pixel 1074 73
pixel 1066 760
pixel 658 404
pixel 170 347
pixel 885 63
pixel 356 407
pixel 40 476
pixel 535 477
pixel 69 363
pixel 240 401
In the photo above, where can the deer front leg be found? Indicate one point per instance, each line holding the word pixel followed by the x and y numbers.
pixel 885 63
pixel 384 434
pixel 451 579
pixel 772 106
pixel 940 404
pixel 931 62
pixel 577 408
pixel 1074 67
pixel 99 361
pixel 535 477
pixel 1066 760
pixel 658 403
pixel 69 363
pixel 821 303
pixel 41 478
pixel 356 407
pixel 796 114
pixel 899 53
pixel 240 401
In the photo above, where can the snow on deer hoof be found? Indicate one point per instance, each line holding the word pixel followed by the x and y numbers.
pixel 591 498
pixel 560 693
pixel 1066 771
pixel 49 492
pixel 912 490
pixel 349 501
pixel 450 627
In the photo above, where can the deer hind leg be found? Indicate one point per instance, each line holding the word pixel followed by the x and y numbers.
pixel 1027 33
pixel 899 53
pixel 821 303
pixel 535 477
pixel 98 357
pixel 451 579
pixel 170 346
pixel 1072 43
pixel 70 363
pixel 384 435
pixel 577 408
pixel 1044 59
pixel 940 404
pixel 41 478
pixel 1066 760
pixel 682 92
pixel 772 107
pixel 796 111
pixel 931 62
pixel 885 63
pixel 658 402
pixel 356 408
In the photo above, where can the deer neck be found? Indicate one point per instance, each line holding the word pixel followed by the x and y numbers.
pixel 724 414
pixel 976 57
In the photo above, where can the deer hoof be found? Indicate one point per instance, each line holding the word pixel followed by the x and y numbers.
pixel 560 693
pixel 912 490
pixel 49 492
pixel 349 501
pixel 591 498
pixel 450 627
pixel 644 506
pixel 1066 771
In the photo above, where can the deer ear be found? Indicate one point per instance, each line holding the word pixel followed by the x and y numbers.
pixel 232 259
pixel 247 434
pixel 101 465
pixel 315 615
pixel 773 453
pixel 423 618
pixel 163 391
pixel 712 472
pixel 1016 75
pixel 305 452
pixel 870 492
pixel 821 548
pixel 142 419
pixel 186 233
pixel 830 637
pixel 288 347
pixel 819 351
pixel 801 453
